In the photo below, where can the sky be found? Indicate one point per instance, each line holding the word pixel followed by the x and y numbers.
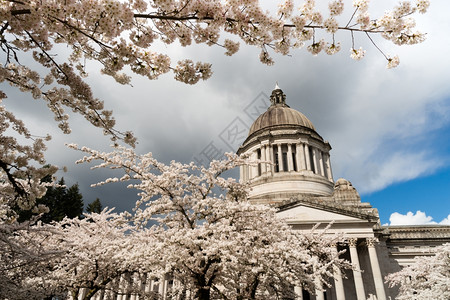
pixel 389 128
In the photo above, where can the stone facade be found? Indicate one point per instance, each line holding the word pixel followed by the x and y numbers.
pixel 297 179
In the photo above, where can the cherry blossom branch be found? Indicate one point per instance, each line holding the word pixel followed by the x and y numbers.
pixel 18 188
pixel 230 20
pixel 370 39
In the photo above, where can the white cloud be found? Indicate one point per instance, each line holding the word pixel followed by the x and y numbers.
pixel 379 171
pixel 418 218
pixel 445 221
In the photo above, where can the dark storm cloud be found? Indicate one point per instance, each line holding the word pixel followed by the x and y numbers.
pixel 364 110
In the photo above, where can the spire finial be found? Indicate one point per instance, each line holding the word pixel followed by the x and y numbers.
pixel 277 97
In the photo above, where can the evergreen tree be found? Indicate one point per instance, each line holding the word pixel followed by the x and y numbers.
pixel 61 201
pixel 95 206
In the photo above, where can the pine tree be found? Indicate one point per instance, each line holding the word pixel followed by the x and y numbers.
pixel 95 206
pixel 61 201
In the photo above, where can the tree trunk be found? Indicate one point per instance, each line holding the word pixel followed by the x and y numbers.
pixel 204 293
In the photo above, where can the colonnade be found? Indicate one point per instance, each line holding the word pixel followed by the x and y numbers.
pixel 357 273
pixel 131 286
pixel 287 157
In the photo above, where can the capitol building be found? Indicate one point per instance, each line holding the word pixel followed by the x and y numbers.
pixel 299 182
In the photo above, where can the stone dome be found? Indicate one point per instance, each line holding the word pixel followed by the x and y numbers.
pixel 280 115
pixel 295 158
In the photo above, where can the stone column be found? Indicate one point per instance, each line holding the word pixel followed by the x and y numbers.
pixel 82 293
pixel 298 293
pixel 272 159
pixel 376 272
pixel 289 158
pixel 138 282
pixel 300 151
pixel 251 172
pixel 357 275
pixel 297 157
pixel 319 290
pixel 152 285
pixel 307 159
pixel 264 158
pixel 165 288
pixel 131 283
pixel 255 167
pixel 241 174
pixel 315 158
pixel 321 171
pixel 110 288
pixel 148 284
pixel 269 158
pixel 100 295
pixel 280 159
pixel 338 283
pixel 161 287
pixel 328 166
pixel 121 290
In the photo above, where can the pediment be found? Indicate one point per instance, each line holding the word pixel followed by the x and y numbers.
pixel 307 214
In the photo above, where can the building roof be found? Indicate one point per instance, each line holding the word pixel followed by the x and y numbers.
pixel 279 113
pixel 358 210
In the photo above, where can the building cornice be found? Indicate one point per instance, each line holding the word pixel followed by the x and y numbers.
pixel 329 204
pixel 410 232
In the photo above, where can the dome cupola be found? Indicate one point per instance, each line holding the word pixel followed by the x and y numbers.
pixel 296 157
pixel 279 114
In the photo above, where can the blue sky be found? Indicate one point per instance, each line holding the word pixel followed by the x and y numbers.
pixel 428 194
pixel 389 129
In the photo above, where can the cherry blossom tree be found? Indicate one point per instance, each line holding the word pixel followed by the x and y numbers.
pixel 190 223
pixel 427 278
pixel 209 238
pixel 20 185
pixel 82 257
pixel 121 36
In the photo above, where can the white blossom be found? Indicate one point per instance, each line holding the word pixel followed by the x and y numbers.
pixel 427 278
pixel 357 54
pixel 331 25
pixel 336 7
pixel 232 47
pixel 393 62
pixel 362 5
pixel 422 6
pixel 332 49
pixel 316 48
